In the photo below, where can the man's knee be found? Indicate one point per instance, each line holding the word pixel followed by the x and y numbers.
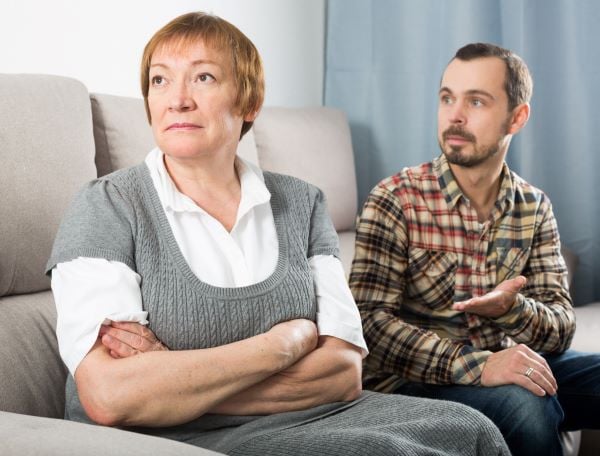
pixel 526 410
pixel 530 424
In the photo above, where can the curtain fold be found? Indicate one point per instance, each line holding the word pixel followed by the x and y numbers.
pixel 384 60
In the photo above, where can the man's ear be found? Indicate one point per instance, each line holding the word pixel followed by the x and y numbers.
pixel 518 118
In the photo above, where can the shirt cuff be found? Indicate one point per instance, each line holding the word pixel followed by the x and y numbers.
pixel 72 357
pixel 515 315
pixel 329 326
pixel 468 365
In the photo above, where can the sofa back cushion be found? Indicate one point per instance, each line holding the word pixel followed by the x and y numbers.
pixel 47 151
pixel 121 132
pixel 313 144
pixel 124 137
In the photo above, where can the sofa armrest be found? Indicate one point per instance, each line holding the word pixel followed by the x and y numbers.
pixel 25 435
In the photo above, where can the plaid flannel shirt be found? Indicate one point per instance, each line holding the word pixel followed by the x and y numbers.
pixel 420 248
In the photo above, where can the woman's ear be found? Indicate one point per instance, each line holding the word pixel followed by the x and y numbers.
pixel 252 115
pixel 519 118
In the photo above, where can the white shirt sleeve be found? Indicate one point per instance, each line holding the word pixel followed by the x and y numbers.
pixel 88 293
pixel 337 314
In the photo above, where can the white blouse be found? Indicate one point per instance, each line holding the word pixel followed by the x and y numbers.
pixel 90 292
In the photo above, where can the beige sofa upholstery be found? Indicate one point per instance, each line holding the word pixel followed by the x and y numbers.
pixel 54 136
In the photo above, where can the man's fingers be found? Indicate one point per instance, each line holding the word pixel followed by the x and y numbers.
pixel 544 370
pixel 541 380
pixel 512 285
pixel 474 303
pixel 529 385
pixel 540 367
pixel 535 368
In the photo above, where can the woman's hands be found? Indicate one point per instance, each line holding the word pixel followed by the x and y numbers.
pixel 125 339
pixel 311 370
pixel 330 373
pixel 164 388
pixel 296 338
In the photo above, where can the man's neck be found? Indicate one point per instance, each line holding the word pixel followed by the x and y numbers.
pixel 481 186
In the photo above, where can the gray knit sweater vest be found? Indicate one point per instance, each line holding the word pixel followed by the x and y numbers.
pixel 119 217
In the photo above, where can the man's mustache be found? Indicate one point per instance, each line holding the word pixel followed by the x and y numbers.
pixel 458 131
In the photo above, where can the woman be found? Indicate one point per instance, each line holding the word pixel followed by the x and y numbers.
pixel 223 260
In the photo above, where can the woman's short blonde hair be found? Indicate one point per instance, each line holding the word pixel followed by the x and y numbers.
pixel 218 34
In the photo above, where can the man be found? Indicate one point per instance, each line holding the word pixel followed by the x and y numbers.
pixel 458 272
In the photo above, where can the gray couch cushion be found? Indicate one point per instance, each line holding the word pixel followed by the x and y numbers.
pixel 123 136
pixel 121 132
pixel 313 144
pixel 47 154
pixel 33 375
pixel 347 239
pixel 22 435
pixel 588 327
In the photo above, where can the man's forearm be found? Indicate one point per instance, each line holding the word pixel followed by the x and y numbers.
pixel 399 348
pixel 330 373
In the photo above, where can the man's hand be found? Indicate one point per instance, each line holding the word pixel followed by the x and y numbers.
pixel 519 366
pixel 125 339
pixel 495 303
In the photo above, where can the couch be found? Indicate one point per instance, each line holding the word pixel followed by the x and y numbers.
pixel 54 137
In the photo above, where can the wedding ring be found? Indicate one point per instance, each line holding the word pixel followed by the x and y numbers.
pixel 528 372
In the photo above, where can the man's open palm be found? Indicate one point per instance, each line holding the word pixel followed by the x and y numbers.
pixel 495 303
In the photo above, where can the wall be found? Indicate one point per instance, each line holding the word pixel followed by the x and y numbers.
pixel 100 42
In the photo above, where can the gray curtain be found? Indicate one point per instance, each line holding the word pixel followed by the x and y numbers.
pixel 384 61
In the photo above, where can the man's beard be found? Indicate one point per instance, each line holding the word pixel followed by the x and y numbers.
pixel 454 154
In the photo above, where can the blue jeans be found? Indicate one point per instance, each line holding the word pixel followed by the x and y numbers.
pixel 530 424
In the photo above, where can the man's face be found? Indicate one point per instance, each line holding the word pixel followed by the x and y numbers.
pixel 473 114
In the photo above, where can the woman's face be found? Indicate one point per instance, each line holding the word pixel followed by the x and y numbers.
pixel 191 100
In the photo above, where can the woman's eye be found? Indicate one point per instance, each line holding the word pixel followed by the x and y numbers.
pixel 157 80
pixel 205 77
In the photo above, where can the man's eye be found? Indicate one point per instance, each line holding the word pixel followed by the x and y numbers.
pixel 477 102
pixel 446 99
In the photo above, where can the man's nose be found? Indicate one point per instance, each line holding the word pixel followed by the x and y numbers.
pixel 457 113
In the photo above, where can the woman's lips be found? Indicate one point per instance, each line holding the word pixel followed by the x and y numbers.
pixel 183 126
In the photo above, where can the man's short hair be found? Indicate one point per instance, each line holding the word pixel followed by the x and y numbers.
pixel 518 83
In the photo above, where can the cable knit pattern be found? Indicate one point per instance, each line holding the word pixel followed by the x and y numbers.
pixel 119 217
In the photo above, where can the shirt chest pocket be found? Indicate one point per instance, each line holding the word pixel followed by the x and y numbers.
pixel 509 262
pixel 431 277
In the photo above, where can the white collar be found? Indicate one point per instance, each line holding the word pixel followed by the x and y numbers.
pixel 254 192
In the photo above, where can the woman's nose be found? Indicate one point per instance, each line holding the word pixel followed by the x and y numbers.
pixel 181 97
